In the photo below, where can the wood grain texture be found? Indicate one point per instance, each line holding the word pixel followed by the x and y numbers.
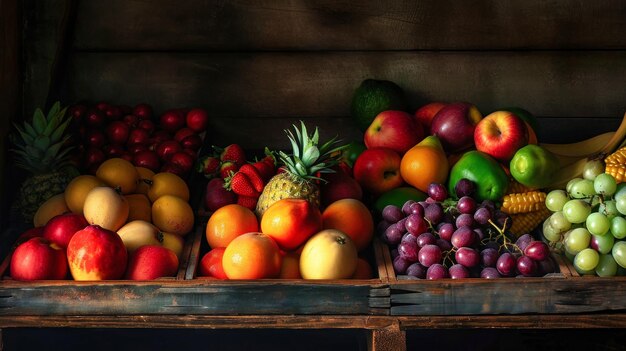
pixel 508 296
pixel 248 93
pixel 174 297
pixel 346 25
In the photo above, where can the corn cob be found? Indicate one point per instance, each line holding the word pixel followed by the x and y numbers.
pixel 615 165
pixel 517 187
pixel 523 202
pixel 523 223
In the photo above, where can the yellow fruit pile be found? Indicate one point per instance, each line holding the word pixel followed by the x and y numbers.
pixel 141 206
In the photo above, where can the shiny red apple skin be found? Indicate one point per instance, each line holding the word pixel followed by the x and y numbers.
pixel 150 262
pixel 377 170
pixel 339 185
pixel 395 130
pixel 95 253
pixel 197 119
pixel 454 125
pixel 38 259
pixel 61 228
pixel 500 134
pixel 425 114
pixel 172 120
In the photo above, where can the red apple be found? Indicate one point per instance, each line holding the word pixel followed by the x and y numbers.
pixel 454 125
pixel 378 170
pixel 216 196
pixel 150 262
pixel 37 259
pixel 211 264
pixel 395 130
pixel 339 185
pixel 138 136
pixel 135 148
pixel 500 134
pixel 61 228
pixel 29 234
pixel 173 168
pixel 95 253
pixel 77 112
pixel 102 106
pixel 193 142
pixel 167 148
pixel 94 118
pixel 197 119
pixel 113 112
pixel 425 114
pixel 182 159
pixel 146 124
pixel 93 157
pixel 183 133
pixel 95 138
pixel 148 159
pixel 143 111
pixel 131 120
pixel 117 132
pixel 172 120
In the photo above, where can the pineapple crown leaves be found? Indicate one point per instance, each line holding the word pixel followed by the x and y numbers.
pixel 308 158
pixel 39 145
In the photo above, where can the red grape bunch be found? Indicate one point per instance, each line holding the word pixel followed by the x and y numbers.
pixel 444 237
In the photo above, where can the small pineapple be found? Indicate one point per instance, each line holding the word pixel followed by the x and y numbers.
pixel 40 148
pixel 303 166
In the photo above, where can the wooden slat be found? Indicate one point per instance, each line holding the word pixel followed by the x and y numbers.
pixel 346 25
pixel 248 93
pixel 508 296
pixel 176 297
pixel 526 321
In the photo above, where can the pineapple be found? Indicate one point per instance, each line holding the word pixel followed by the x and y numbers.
pixel 41 149
pixel 302 168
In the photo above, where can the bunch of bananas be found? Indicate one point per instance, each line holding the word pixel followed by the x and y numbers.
pixel 574 156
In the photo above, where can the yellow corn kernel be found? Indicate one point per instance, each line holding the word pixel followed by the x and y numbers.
pixel 616 158
pixel 523 202
pixel 617 171
pixel 523 223
pixel 517 187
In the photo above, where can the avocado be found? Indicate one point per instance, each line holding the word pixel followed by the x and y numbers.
pixel 374 96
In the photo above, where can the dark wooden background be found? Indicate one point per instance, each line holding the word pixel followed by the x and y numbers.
pixel 259 66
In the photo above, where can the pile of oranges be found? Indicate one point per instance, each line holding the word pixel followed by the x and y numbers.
pixel 292 240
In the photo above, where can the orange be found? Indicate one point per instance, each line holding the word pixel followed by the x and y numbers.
pixel 290 268
pixel 228 222
pixel 425 163
pixel 363 270
pixel 252 256
pixel 352 217
pixel 291 222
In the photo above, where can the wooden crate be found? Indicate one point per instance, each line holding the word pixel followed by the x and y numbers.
pixel 556 293
pixel 186 294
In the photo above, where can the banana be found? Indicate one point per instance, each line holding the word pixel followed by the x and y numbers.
pixel 581 148
pixel 567 173
pixel 617 139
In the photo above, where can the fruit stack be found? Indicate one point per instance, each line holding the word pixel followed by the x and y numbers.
pixel 168 142
pixel 124 222
pixel 306 220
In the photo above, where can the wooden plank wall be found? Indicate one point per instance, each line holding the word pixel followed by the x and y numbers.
pixel 259 66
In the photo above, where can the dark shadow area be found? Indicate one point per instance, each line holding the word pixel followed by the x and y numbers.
pixel 183 339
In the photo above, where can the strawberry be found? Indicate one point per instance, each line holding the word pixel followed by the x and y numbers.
pixel 266 166
pixel 233 153
pixel 217 196
pixel 209 166
pixel 256 179
pixel 227 169
pixel 240 184
pixel 247 201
